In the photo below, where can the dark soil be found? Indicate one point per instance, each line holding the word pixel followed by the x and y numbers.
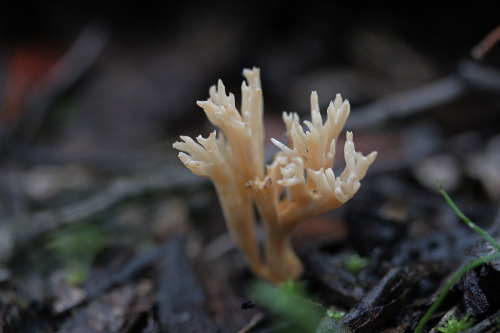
pixel 102 229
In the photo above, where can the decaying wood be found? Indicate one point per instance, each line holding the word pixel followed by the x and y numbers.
pixel 383 301
pixel 182 306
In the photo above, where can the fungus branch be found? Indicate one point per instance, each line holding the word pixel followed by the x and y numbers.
pixel 298 184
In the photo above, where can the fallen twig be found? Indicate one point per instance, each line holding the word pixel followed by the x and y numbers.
pixel 470 75
pixel 133 267
pixel 168 179
pixel 65 73
pixel 404 104
pixel 486 44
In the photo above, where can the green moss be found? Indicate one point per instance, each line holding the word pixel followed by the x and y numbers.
pixel 335 314
pixel 76 248
pixel 452 325
pixel 354 263
pixel 290 303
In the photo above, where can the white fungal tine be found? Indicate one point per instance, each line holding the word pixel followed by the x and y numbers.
pixel 234 161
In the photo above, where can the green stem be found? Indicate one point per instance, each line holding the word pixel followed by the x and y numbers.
pixel 449 284
pixel 464 218
pixel 478 262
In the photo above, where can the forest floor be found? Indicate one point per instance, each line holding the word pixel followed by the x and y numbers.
pixel 104 230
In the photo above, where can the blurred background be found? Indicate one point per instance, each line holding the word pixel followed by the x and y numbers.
pixel 93 94
pixel 121 77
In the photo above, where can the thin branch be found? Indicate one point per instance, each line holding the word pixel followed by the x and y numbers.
pixel 480 76
pixel 407 103
pixel 470 76
pixel 486 44
pixel 166 180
